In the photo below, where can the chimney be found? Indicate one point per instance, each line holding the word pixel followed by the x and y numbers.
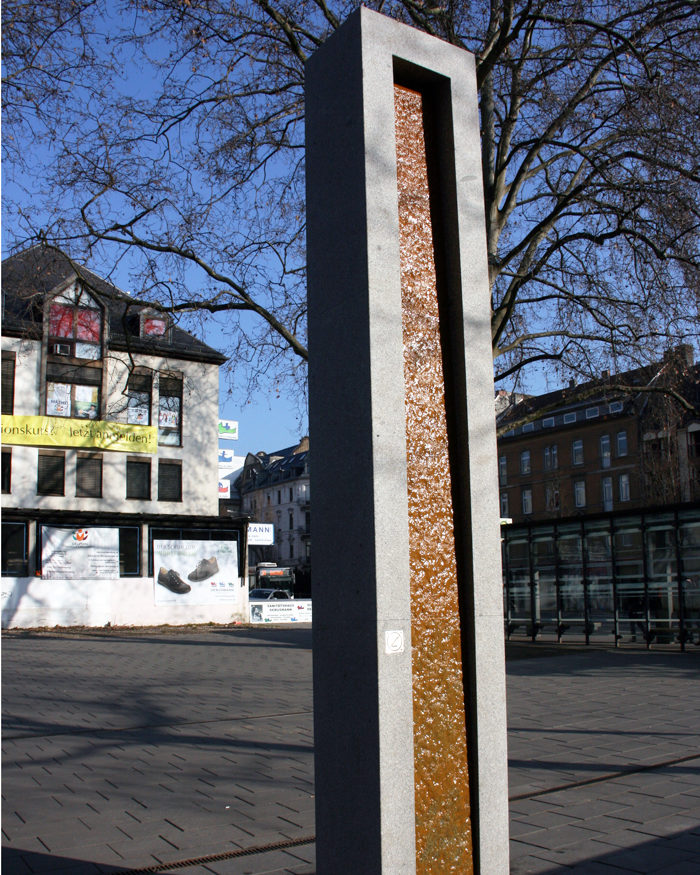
pixel 572 383
pixel 606 375
pixel 683 355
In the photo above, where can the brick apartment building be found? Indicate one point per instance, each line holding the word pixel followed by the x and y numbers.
pixel 599 447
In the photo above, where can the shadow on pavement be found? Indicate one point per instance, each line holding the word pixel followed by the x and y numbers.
pixel 18 862
pixel 296 636
pixel 678 853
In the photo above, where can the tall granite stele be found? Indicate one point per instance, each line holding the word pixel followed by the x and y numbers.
pixel 409 679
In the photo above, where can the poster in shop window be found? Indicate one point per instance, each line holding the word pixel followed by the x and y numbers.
pixel 58 399
pixel 196 573
pixel 89 553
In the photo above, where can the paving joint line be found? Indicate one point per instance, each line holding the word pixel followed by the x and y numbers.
pixel 111 730
pixel 611 776
pixel 226 855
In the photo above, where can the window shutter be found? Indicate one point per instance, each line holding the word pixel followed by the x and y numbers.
pixel 51 473
pixel 8 385
pixel 138 479
pixel 88 482
pixel 140 382
pixel 169 481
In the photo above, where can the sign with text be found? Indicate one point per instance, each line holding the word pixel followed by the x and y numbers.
pixel 79 554
pixel 49 431
pixel 261 534
pixel 281 612
pixel 196 572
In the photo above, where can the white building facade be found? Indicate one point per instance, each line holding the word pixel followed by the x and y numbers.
pixel 109 429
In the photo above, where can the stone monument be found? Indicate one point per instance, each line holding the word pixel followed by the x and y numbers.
pixel 409 675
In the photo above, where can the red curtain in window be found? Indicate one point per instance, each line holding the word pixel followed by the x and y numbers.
pixel 61 320
pixel 89 326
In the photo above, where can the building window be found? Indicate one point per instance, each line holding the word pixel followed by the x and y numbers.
pixel 569 418
pixel 580 493
pixel 548 422
pixel 529 426
pixel 624 487
pixel 153 324
pixel 75 325
pixel 51 473
pixel 694 444
pixel 170 481
pixel 615 407
pixel 170 410
pixel 88 475
pixel 138 391
pixel 279 496
pixel 291 520
pixel 622 443
pixel 607 493
pixel 551 496
pixel 525 467
pixel 551 457
pixel 291 549
pixel 6 470
pixel 605 450
pixel 73 390
pixel 577 452
pixel 138 479
pixel 527 501
pixel 502 470
pixel 591 413
pixel 130 551
pixel 8 383
pixel 504 504
pixel 14 549
pixel 291 493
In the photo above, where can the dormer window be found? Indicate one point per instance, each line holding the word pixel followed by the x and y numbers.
pixel 154 324
pixel 154 327
pixel 75 325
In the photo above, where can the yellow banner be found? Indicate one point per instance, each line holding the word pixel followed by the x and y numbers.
pixel 54 431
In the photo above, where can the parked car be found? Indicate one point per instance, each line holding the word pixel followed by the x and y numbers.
pixel 265 595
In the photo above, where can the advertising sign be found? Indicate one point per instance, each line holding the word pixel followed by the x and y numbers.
pixel 224 488
pixel 196 572
pixel 228 429
pixel 47 431
pixel 79 554
pixel 261 534
pixel 281 612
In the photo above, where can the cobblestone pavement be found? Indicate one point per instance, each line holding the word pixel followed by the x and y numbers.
pixel 135 751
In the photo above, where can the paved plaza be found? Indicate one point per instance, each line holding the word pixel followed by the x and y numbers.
pixel 192 751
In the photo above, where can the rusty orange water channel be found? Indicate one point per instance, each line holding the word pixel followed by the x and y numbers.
pixel 443 827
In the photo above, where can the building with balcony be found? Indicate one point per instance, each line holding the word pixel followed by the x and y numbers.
pixel 109 427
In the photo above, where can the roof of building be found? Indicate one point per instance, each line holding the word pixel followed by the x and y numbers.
pixel 262 469
pixel 31 275
pixel 610 394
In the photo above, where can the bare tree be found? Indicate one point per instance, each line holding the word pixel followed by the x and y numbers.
pixel 174 131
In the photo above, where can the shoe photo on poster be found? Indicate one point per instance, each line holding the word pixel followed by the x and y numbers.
pixel 171 580
pixel 205 568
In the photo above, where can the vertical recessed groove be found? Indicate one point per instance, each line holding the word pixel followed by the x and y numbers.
pixel 443 827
